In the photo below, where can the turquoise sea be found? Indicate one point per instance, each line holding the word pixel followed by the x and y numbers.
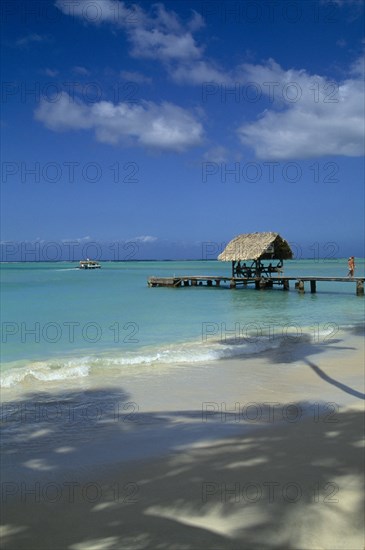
pixel 60 322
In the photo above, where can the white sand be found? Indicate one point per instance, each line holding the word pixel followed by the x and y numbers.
pixel 263 452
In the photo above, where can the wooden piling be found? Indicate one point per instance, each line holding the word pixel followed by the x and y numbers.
pixel 313 287
pixel 262 283
pixel 360 288
pixel 301 287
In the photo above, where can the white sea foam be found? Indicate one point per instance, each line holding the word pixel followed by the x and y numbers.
pixel 187 353
pixel 179 353
pixel 46 372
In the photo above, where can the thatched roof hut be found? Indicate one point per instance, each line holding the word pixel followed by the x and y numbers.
pixel 256 246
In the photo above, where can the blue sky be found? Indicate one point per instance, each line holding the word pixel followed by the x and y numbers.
pixel 170 125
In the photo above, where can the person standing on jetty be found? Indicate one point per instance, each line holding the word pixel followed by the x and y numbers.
pixel 351 266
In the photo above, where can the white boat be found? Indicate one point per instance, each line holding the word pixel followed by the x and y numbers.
pixel 89 264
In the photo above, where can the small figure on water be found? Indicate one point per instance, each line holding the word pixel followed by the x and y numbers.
pixel 351 266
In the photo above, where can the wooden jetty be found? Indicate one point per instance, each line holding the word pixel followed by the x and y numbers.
pixel 259 283
pixel 255 248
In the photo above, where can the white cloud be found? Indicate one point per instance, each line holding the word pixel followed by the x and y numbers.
pixel 196 22
pixel 145 239
pixel 199 72
pixel 325 119
pixel 217 154
pixel 82 71
pixel 97 11
pixel 134 76
pixel 162 36
pixel 342 3
pixel 158 34
pixel 78 239
pixel 31 38
pixel 162 126
pixel 166 19
pixel 353 8
pixel 307 115
pixel 164 46
pixel 64 114
pixel 51 72
pixel 357 68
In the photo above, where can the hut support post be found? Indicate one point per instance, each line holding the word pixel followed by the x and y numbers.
pixel 313 287
pixel 285 285
pixel 233 269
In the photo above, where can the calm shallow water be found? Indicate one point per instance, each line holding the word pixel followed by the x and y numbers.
pixel 60 322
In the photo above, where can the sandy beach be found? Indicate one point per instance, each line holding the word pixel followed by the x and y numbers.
pixel 182 271
pixel 216 456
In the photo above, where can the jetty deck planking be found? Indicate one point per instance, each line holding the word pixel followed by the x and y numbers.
pixel 258 282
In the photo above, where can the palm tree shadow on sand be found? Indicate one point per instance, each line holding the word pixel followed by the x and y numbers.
pixel 291 484
pixel 292 352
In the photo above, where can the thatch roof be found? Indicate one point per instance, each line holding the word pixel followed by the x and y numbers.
pixel 252 246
